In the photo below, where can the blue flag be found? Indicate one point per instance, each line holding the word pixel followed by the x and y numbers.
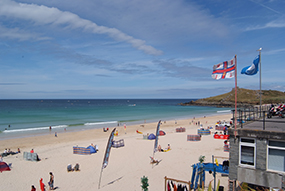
pixel 108 149
pixel 253 69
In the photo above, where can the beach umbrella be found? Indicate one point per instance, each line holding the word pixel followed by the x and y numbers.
pixel 161 133
pixel 151 136
pixel 4 167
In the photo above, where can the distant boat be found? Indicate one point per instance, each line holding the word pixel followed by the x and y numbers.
pixel 132 105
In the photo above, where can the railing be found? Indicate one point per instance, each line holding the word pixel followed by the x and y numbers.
pixel 245 115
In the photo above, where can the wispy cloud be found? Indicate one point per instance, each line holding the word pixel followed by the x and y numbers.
pixel 277 51
pixel 19 34
pixel 43 15
pixel 267 7
pixel 278 23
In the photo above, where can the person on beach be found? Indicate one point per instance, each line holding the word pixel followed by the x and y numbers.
pixel 33 188
pixel 42 185
pixel 51 181
pixel 168 147
pixel 225 130
pixel 32 151
pixel 159 148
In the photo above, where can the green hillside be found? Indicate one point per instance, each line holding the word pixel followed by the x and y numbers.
pixel 244 97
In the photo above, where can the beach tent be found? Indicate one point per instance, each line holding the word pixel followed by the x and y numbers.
pixel 4 167
pixel 161 133
pixel 92 149
pixel 151 136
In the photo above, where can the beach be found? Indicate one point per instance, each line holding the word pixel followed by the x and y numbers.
pixel 127 165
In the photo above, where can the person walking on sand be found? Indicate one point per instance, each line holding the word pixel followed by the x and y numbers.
pixel 33 188
pixel 42 185
pixel 51 181
pixel 125 128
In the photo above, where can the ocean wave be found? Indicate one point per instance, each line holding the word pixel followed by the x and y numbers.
pixel 101 123
pixel 34 129
pixel 224 111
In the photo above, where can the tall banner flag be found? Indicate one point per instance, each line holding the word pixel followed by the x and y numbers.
pixel 108 149
pixel 107 153
pixel 156 137
pixel 253 68
pixel 224 70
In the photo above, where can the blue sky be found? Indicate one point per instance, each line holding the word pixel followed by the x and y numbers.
pixel 136 49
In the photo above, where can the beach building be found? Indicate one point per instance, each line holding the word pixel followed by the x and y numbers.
pixel 257 154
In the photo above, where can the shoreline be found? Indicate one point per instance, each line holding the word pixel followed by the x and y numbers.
pixel 126 165
pixel 40 132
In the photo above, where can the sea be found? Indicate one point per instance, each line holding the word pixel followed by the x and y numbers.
pixel 32 117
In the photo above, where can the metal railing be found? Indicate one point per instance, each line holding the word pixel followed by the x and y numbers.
pixel 250 114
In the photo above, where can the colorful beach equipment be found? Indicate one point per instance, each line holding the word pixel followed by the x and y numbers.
pixel 161 133
pixel 216 136
pixel 226 148
pixel 4 167
pixel 180 129
pixel 204 131
pixel 81 151
pixel 30 156
pixel 193 138
pixel 219 128
pixel 151 136
pixel 119 143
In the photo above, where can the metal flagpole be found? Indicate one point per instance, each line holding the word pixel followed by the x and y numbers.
pixel 260 94
pixel 235 95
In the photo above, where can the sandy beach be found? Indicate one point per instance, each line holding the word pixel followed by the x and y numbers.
pixel 126 164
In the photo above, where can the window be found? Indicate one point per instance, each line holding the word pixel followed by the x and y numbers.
pixel 276 156
pixel 247 152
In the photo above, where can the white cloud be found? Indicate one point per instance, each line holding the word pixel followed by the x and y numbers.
pixel 42 15
pixel 17 33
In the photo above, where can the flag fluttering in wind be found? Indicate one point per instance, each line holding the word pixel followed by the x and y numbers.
pixel 156 137
pixel 107 154
pixel 108 149
pixel 224 70
pixel 253 68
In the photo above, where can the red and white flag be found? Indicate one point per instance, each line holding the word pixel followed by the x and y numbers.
pixel 224 70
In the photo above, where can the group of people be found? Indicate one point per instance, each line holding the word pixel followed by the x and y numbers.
pixel 9 152
pixel 163 150
pixel 42 185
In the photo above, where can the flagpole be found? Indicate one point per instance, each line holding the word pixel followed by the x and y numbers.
pixel 260 97
pixel 100 178
pixel 235 95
